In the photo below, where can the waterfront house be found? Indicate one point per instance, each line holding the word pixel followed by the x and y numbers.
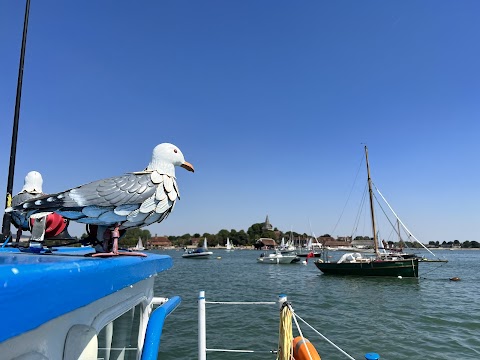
pixel 158 242
pixel 265 243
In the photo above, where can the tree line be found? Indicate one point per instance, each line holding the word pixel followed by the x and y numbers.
pixel 467 244
pixel 238 238
pixel 256 231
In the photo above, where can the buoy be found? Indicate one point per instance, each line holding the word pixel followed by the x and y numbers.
pixel 372 356
pixel 455 279
pixel 300 352
pixel 219 257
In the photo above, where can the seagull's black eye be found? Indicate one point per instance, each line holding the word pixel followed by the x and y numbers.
pixel 175 151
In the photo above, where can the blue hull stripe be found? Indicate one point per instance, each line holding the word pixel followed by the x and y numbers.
pixel 39 288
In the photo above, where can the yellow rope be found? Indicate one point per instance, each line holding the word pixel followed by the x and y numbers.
pixel 285 335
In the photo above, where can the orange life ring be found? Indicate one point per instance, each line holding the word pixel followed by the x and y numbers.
pixel 300 351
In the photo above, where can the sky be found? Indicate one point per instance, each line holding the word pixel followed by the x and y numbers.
pixel 271 101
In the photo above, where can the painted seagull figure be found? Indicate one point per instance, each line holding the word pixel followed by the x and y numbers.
pixel 52 226
pixel 132 200
pixel 32 188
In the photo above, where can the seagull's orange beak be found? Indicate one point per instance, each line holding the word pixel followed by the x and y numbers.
pixel 188 166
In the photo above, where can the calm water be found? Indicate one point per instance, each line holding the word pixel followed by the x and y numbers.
pixel 426 318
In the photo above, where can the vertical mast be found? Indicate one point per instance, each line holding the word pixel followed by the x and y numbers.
pixel 13 150
pixel 372 212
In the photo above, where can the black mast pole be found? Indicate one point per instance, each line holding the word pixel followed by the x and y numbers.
pixel 13 149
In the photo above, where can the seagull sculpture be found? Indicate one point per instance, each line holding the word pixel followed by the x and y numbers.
pixel 32 188
pixel 51 226
pixel 132 200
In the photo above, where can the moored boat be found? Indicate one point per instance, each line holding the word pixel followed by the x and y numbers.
pixel 198 253
pixel 380 264
pixel 371 267
pixel 139 246
pixel 309 254
pixel 277 257
pixel 229 245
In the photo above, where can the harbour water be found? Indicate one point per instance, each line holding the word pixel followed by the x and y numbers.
pixel 427 318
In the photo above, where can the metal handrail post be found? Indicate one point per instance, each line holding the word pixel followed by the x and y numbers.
pixel 202 328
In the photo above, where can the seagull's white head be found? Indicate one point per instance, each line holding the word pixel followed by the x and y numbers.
pixel 165 157
pixel 33 183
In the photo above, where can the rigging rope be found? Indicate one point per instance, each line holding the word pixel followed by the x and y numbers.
pixel 285 334
pixel 400 221
pixel 360 211
pixel 386 216
pixel 323 336
pixel 435 268
pixel 349 195
pixel 285 337
pixel 300 331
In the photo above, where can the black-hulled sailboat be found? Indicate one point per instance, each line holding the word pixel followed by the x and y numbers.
pixel 382 264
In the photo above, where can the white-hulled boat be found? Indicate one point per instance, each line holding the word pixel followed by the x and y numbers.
pixel 198 253
pixel 277 257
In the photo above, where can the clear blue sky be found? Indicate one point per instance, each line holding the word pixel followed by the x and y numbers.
pixel 269 100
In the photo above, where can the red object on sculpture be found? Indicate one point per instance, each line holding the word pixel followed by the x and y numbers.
pixel 55 224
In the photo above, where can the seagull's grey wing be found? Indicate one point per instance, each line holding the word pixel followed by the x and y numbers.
pixel 111 192
pixel 126 189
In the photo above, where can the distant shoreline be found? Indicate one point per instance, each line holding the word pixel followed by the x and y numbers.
pixel 252 248
pixel 453 249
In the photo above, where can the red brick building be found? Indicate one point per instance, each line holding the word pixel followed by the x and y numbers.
pixel 159 242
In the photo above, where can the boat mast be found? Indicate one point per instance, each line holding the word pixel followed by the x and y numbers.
pixel 13 150
pixel 372 212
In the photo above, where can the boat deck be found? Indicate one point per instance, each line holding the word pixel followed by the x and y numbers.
pixel 39 283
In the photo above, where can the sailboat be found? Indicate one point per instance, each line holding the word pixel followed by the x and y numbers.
pixel 199 252
pixel 312 249
pixel 139 246
pixel 378 265
pixel 288 247
pixel 229 246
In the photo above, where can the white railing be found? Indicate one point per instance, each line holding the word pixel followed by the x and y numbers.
pixel 282 301
pixel 202 325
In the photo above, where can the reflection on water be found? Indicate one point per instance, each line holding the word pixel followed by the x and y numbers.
pixel 426 318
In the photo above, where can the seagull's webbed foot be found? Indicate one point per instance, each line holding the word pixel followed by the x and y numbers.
pixel 115 235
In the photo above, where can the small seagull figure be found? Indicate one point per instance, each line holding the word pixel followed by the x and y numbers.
pixel 32 188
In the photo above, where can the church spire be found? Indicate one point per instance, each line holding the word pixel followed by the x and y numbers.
pixel 267 225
